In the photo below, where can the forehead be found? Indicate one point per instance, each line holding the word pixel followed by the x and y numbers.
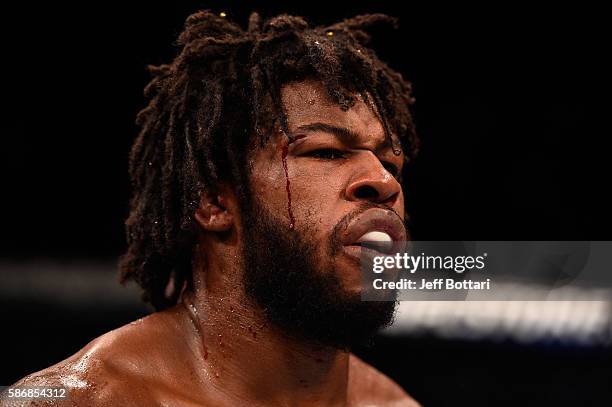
pixel 308 102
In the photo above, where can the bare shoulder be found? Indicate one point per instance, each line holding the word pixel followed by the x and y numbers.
pixel 117 368
pixel 369 386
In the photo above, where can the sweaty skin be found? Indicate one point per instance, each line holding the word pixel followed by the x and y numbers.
pixel 215 348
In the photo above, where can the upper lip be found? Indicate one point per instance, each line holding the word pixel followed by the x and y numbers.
pixel 381 220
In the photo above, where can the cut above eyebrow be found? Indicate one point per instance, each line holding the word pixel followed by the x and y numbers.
pixel 344 134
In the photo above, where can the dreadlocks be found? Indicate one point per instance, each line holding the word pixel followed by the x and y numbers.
pixel 204 107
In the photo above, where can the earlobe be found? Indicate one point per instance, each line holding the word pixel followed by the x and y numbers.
pixel 212 214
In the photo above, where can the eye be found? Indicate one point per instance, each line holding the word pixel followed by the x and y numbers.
pixel 327 154
pixel 392 168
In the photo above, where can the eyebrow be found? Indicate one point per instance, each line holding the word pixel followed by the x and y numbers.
pixel 344 134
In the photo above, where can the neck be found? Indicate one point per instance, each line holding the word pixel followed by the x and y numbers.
pixel 251 360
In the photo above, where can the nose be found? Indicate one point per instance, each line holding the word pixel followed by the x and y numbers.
pixel 372 182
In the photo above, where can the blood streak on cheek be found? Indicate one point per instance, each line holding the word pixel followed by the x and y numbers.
pixel 284 155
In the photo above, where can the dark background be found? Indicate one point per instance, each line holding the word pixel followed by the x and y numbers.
pixel 512 107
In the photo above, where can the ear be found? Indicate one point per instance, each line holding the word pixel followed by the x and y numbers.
pixel 212 214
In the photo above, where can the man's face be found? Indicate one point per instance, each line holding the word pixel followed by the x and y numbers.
pixel 315 194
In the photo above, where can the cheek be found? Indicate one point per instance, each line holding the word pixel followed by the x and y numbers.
pixel 314 197
pixel 268 182
pixel 400 204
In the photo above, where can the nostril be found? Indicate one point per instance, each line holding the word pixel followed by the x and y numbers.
pixel 366 192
